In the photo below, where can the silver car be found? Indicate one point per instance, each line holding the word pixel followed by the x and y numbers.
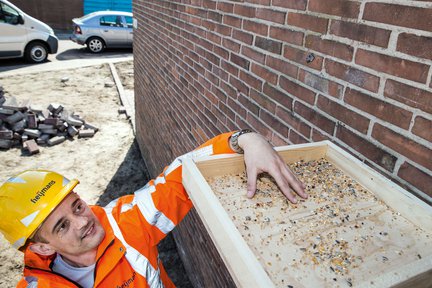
pixel 103 29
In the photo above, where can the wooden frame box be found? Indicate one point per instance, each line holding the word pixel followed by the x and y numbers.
pixel 389 261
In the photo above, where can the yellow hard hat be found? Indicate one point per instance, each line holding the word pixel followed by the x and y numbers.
pixel 27 199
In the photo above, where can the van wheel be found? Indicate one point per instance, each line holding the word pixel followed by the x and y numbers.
pixel 36 52
pixel 95 45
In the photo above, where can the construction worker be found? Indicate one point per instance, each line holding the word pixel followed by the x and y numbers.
pixel 66 243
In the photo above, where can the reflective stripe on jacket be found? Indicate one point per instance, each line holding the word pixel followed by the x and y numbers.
pixel 134 224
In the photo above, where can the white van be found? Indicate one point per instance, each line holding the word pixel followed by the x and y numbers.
pixel 24 36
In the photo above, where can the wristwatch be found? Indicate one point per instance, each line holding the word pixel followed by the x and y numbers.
pixel 233 140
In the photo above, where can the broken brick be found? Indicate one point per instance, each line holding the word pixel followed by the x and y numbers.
pixel 6 134
pixel 86 133
pixel 56 140
pixel 15 117
pixel 31 146
pixel 32 133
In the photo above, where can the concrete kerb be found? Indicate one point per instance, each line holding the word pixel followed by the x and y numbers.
pixel 124 98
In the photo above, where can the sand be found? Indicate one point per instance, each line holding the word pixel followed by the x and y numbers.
pixel 108 165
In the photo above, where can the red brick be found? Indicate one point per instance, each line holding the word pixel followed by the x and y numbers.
pixel 352 75
pixel 286 35
pixel 221 52
pixel 278 96
pixel 249 105
pixel 274 123
pixel 252 81
pixel 238 109
pixel 240 61
pixel 349 117
pixel 231 45
pixel 421 180
pixel 243 36
pixel 258 125
pixel 268 44
pixel 282 66
pixel 318 136
pixel 391 65
pixel 329 47
pixel 264 73
pixel 314 117
pixel 293 121
pixel 271 15
pixel 297 90
pixel 255 27
pixel 423 128
pixel 223 29
pixel 263 101
pixel 226 110
pixel 239 85
pixel 296 138
pixel 321 84
pixel 229 90
pixel 225 7
pixel 253 54
pixel 367 149
pixel 308 22
pixel 292 4
pixel 414 45
pixel 378 108
pixel 245 11
pixel 278 141
pixel 404 16
pixel 209 4
pixel 409 95
pixel 360 32
pixel 299 56
pixel 407 147
pixel 261 2
pixel 232 21
pixel 343 8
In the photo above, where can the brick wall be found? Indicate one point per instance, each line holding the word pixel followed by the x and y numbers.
pixel 355 72
pixel 57 14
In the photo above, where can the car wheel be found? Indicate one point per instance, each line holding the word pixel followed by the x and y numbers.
pixel 36 52
pixel 95 45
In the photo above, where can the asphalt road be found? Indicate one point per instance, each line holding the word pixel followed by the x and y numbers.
pixel 69 53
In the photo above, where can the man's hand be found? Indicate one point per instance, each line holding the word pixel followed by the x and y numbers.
pixel 260 157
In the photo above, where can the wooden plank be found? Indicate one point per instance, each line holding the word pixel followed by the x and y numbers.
pixel 241 262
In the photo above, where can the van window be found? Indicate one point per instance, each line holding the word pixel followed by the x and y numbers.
pixel 8 14
pixel 110 20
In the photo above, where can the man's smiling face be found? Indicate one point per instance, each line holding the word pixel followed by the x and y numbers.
pixel 72 229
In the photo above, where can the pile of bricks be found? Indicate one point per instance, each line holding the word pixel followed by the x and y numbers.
pixel 27 126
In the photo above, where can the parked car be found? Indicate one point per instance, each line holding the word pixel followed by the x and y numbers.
pixel 103 29
pixel 22 35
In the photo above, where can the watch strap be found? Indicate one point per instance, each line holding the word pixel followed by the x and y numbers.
pixel 233 140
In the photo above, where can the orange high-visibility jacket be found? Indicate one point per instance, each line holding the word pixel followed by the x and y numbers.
pixel 134 225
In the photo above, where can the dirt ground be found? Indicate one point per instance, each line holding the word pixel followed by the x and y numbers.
pixel 108 165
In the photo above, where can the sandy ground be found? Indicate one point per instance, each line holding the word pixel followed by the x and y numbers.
pixel 108 165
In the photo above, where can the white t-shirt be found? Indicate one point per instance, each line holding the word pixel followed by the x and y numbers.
pixel 82 275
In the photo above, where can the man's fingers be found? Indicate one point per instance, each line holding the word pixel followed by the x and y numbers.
pixel 251 182
pixel 295 184
pixel 284 186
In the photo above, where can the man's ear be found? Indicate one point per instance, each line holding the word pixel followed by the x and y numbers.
pixel 42 249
